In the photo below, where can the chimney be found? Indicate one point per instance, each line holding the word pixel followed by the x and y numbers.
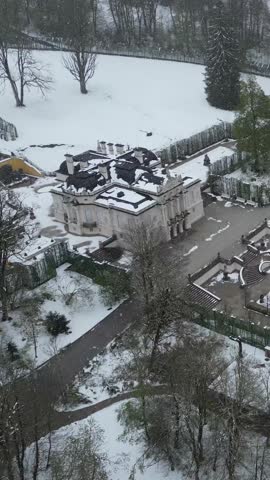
pixel 139 155
pixel 104 169
pixel 98 147
pixel 103 148
pixel 110 148
pixel 70 164
pixel 119 149
pixel 83 165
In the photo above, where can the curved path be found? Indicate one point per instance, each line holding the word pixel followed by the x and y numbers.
pixel 53 377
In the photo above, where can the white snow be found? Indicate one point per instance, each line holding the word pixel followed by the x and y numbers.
pixel 128 200
pixel 38 197
pixel 196 169
pixel 124 102
pixel 233 278
pixel 122 454
pixel 191 250
pixel 249 177
pixel 209 239
pixel 83 314
pixel 214 219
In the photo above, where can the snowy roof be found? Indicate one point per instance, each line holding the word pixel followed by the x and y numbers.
pixel 124 199
pixel 33 251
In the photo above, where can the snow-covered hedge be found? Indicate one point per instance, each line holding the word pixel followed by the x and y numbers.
pixel 196 143
pixel 8 131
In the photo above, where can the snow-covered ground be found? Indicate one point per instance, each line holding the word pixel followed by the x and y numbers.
pixel 38 197
pixel 249 177
pixel 196 169
pixel 127 98
pixel 122 454
pixel 84 313
pixel 219 278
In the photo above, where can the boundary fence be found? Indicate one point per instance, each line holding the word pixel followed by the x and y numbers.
pixel 252 66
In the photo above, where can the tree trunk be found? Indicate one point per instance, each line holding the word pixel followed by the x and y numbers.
pixel 83 85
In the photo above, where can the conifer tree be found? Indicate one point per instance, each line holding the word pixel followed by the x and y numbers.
pixel 252 125
pixel 222 76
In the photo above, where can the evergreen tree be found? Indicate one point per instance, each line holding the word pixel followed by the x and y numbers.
pixel 252 124
pixel 222 76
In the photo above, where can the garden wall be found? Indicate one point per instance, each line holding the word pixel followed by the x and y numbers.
pixel 8 131
pixel 45 268
pixel 249 191
pixel 189 146
pixel 227 164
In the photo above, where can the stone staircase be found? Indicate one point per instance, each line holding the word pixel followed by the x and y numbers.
pixel 249 256
pixel 199 296
pixel 250 273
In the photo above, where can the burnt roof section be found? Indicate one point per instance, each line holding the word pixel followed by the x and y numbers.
pixel 148 155
pixel 63 168
pixel 85 180
pixel 88 156
pixel 150 177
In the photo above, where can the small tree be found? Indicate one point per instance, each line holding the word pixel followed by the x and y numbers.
pixel 251 127
pixel 13 351
pixel 82 457
pixel 56 323
pixel 31 308
pixel 222 76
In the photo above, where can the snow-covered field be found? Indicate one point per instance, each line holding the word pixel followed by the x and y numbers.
pixel 127 97
pixel 122 454
pixel 84 313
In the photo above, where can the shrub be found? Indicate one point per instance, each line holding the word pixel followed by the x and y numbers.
pixel 13 352
pixel 56 324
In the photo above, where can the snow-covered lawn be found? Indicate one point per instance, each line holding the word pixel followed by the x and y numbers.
pixel 196 169
pixel 127 98
pixel 84 313
pixel 122 454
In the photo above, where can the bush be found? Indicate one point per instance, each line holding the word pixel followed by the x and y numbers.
pixel 56 324
pixel 13 352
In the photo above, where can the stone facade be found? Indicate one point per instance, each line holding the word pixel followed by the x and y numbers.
pixel 102 194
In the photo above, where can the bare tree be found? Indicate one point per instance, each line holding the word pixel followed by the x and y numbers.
pixel 18 66
pixel 82 66
pixel 13 223
pixel 75 290
pixel 82 457
pixel 79 36
pixel 156 283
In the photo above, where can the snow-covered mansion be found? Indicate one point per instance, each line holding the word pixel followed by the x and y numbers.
pixel 105 191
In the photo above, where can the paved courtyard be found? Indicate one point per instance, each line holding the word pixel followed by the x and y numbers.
pixel 219 231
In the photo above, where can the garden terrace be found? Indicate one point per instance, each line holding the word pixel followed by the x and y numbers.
pixel 239 286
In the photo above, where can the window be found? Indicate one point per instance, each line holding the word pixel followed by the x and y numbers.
pixel 74 215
